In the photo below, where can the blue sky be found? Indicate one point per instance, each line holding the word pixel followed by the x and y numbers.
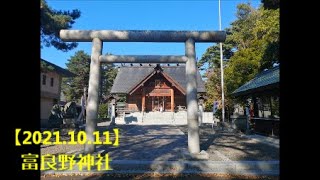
pixel 143 15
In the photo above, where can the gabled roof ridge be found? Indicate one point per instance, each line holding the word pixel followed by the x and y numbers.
pixel 58 69
pixel 264 78
pixel 143 79
pixel 267 71
pixel 179 87
pixel 129 76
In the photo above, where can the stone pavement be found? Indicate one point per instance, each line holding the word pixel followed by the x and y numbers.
pixel 161 149
pixel 266 140
pixel 153 142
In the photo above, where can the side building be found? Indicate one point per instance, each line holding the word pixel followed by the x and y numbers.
pixel 262 95
pixel 50 85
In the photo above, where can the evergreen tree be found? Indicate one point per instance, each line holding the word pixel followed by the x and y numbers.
pixel 52 21
pixel 252 45
pixel 79 64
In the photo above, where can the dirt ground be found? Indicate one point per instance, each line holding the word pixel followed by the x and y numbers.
pixel 162 176
pixel 233 146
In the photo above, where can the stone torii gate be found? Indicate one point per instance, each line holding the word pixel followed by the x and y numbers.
pixel 97 37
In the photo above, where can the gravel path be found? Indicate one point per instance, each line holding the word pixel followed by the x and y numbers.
pixel 152 142
pixel 223 145
pixel 162 176
pixel 163 142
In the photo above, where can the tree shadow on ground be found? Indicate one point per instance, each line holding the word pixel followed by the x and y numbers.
pixel 208 141
pixel 179 176
pixel 130 119
pixel 149 142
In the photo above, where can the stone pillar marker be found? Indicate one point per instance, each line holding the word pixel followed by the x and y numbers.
pixel 93 94
pixel 192 104
pixel 113 112
pixel 200 114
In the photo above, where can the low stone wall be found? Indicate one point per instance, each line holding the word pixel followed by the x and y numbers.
pixel 161 118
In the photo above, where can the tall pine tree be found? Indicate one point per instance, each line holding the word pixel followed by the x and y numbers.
pixel 52 21
pixel 79 64
pixel 252 45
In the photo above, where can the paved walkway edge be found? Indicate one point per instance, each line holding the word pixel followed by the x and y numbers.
pixel 184 167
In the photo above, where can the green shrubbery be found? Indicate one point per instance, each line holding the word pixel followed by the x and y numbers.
pixel 103 111
pixel 218 114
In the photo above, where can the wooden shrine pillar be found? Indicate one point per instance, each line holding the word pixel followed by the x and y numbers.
pixel 172 99
pixel 143 100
